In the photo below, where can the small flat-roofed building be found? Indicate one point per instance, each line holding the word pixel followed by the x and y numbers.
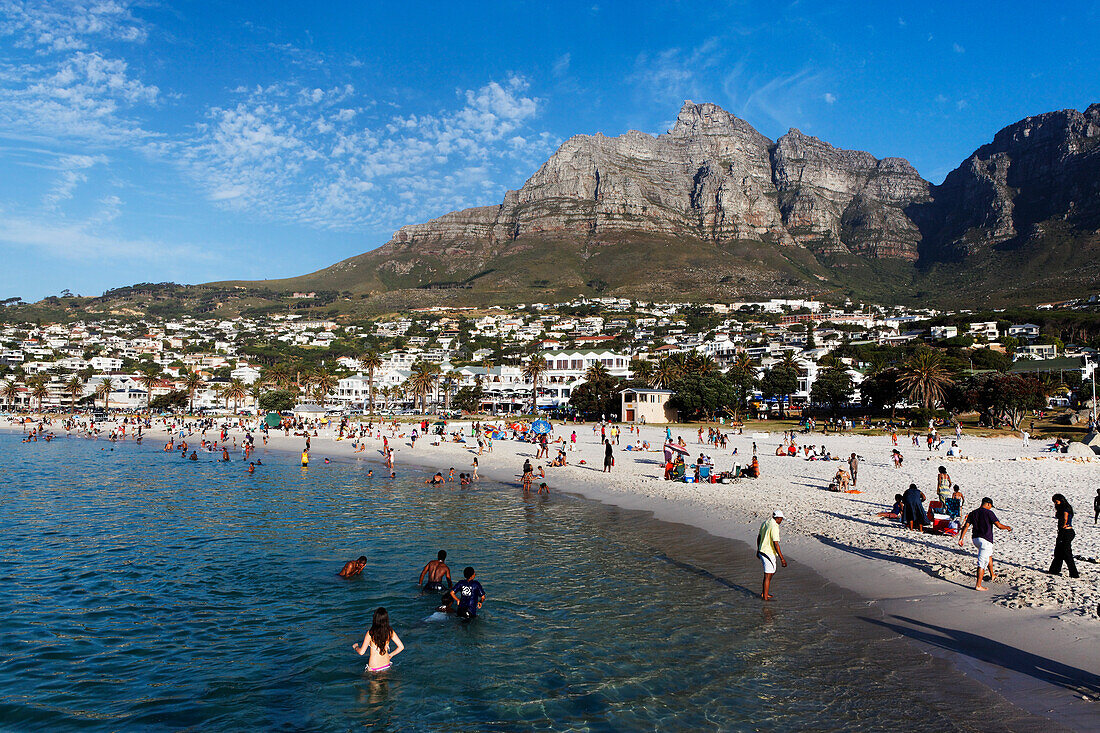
pixel 647 405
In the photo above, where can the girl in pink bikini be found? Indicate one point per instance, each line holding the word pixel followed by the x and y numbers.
pixel 377 640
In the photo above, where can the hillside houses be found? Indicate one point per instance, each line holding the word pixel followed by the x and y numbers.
pixel 486 348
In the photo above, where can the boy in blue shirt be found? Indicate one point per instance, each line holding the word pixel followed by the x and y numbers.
pixel 468 594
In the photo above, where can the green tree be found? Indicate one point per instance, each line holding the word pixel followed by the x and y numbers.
pixel 74 387
pixel 278 400
pixel 235 390
pixel 702 395
pixel 192 381
pixel 533 370
pixel 832 386
pixel 371 362
pixel 925 378
pixel 104 389
pixel 883 389
pixel 469 397
pixel 780 381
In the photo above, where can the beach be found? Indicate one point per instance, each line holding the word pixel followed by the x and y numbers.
pixel 1033 638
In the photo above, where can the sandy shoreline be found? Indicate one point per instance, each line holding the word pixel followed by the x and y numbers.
pixel 1033 639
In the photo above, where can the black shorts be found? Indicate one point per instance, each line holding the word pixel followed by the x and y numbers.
pixel 465 613
pixel 433 587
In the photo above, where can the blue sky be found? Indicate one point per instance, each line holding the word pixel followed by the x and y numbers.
pixel 196 141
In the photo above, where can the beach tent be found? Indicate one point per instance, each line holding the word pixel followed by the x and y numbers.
pixel 273 419
pixel 541 427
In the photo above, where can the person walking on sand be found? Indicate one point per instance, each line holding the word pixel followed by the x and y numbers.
pixel 983 520
pixel 767 549
pixel 608 459
pixel 1063 546
pixel 1096 507
pixel 377 641
pixel 853 468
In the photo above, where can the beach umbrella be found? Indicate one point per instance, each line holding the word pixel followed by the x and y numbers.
pixel 273 419
pixel 541 427
pixel 677 449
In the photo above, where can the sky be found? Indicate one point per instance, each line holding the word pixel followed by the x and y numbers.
pixel 145 141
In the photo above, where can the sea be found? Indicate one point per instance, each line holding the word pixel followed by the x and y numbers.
pixel 140 591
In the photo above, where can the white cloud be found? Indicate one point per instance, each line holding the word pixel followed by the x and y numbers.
pixel 66 26
pixel 957 48
pixel 53 87
pixel 71 174
pixel 305 154
pixel 830 98
pixel 962 104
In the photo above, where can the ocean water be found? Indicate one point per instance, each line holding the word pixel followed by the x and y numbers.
pixel 140 591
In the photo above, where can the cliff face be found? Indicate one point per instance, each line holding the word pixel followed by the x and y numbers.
pixel 714 201
pixel 1040 169
pixel 712 177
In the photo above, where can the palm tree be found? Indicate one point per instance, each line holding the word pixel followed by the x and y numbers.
pixel 235 390
pixel 104 390
pixel 702 364
pixel 278 375
pixel 39 390
pixel 744 362
pixel 192 381
pixel 667 372
pixel 422 381
pixel 323 382
pixel 642 370
pixel 9 390
pixel 148 380
pixel 533 370
pixel 449 381
pixel 371 362
pixel 256 392
pixel 925 377
pixel 596 373
pixel 74 387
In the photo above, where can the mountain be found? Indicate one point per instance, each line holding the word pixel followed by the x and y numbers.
pixel 714 209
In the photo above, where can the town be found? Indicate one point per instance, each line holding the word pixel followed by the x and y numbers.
pixel 588 357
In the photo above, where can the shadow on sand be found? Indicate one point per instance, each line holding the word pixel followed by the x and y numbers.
pixel 994 653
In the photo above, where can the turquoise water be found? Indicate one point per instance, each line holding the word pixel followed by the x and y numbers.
pixel 140 591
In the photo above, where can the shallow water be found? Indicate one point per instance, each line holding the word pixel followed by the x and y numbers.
pixel 139 591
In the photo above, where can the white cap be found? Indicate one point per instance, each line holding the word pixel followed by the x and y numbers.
pixel 777 514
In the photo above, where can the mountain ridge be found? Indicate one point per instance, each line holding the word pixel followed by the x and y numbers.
pixel 715 209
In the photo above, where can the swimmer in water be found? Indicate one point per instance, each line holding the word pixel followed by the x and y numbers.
pixel 436 479
pixel 353 567
pixel 377 641
pixel 468 594
pixel 194 456
pixel 436 571
pixel 252 468
pixel 370 473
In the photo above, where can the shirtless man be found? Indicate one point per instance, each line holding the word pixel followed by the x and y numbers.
pixel 436 571
pixel 353 567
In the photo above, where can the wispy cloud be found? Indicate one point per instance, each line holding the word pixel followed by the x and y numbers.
pixel 561 64
pixel 309 155
pixel 87 240
pixel 673 75
pixel 957 48
pixel 53 87
pixel 71 174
